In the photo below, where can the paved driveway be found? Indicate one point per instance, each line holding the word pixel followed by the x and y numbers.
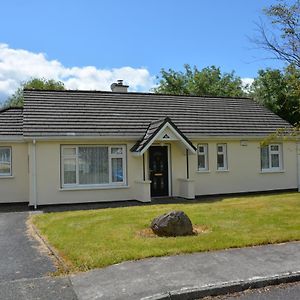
pixel 24 270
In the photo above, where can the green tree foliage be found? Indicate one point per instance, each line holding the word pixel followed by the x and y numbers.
pixel 279 91
pixel 282 37
pixel 17 98
pixel 209 81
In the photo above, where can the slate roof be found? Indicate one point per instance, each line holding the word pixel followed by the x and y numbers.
pixel 11 121
pixel 153 129
pixel 92 113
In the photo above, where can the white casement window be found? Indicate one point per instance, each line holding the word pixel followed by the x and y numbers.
pixel 203 157
pixel 222 164
pixel 93 165
pixel 271 157
pixel 5 161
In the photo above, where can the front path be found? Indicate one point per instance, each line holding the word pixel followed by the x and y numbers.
pixel 159 276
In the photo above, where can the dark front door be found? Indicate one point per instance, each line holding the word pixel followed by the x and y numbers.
pixel 158 167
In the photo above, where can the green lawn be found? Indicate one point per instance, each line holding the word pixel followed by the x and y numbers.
pixel 97 238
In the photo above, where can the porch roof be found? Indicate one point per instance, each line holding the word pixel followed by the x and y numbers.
pixel 155 129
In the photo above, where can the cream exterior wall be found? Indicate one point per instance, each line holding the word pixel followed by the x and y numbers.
pixel 244 174
pixel 16 187
pixel 244 170
pixel 48 185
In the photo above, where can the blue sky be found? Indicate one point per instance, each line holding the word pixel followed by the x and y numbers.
pixel 143 35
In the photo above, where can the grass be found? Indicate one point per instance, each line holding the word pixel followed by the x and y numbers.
pixel 98 238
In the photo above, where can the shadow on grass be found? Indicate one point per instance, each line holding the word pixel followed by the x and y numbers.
pixel 154 201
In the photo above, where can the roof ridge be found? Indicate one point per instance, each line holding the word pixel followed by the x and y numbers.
pixel 137 93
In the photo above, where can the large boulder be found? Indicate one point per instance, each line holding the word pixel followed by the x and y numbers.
pixel 173 223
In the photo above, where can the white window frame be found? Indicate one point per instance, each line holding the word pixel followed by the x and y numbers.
pixel 270 152
pixel 205 154
pixel 10 162
pixel 224 153
pixel 110 157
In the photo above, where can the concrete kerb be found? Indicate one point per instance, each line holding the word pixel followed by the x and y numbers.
pixel 59 260
pixel 226 287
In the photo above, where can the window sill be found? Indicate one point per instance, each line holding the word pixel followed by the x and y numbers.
pixel 85 188
pixel 222 171
pixel 204 171
pixel 7 176
pixel 271 171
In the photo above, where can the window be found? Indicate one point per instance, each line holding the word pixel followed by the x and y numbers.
pixel 222 157
pixel 271 157
pixel 93 165
pixel 203 157
pixel 5 161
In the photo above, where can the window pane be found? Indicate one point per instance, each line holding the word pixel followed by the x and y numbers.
pixel 116 150
pixel 70 171
pixel 4 168
pixel 275 160
pixel 220 161
pixel 274 147
pixel 201 162
pixel 264 157
pixel 69 151
pixel 4 154
pixel 93 165
pixel 5 157
pixel 117 169
pixel 201 149
pixel 220 149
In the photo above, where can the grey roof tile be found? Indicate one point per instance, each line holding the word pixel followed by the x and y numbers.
pixel 88 113
pixel 11 121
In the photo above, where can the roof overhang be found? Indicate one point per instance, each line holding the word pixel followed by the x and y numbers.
pixel 11 138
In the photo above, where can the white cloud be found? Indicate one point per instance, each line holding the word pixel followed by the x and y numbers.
pixel 247 81
pixel 17 65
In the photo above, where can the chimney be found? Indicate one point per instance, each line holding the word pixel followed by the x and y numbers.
pixel 119 87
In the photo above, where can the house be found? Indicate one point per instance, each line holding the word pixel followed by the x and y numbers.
pixel 89 146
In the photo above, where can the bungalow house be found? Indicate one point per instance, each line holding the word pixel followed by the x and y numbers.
pixel 89 146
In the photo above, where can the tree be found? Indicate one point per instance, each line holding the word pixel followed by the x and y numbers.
pixel 283 38
pixel 209 81
pixel 279 91
pixel 17 98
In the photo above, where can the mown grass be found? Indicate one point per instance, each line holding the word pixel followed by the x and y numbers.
pixel 98 238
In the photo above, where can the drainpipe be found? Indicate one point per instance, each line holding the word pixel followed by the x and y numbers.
pixel 187 164
pixel 144 169
pixel 34 190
